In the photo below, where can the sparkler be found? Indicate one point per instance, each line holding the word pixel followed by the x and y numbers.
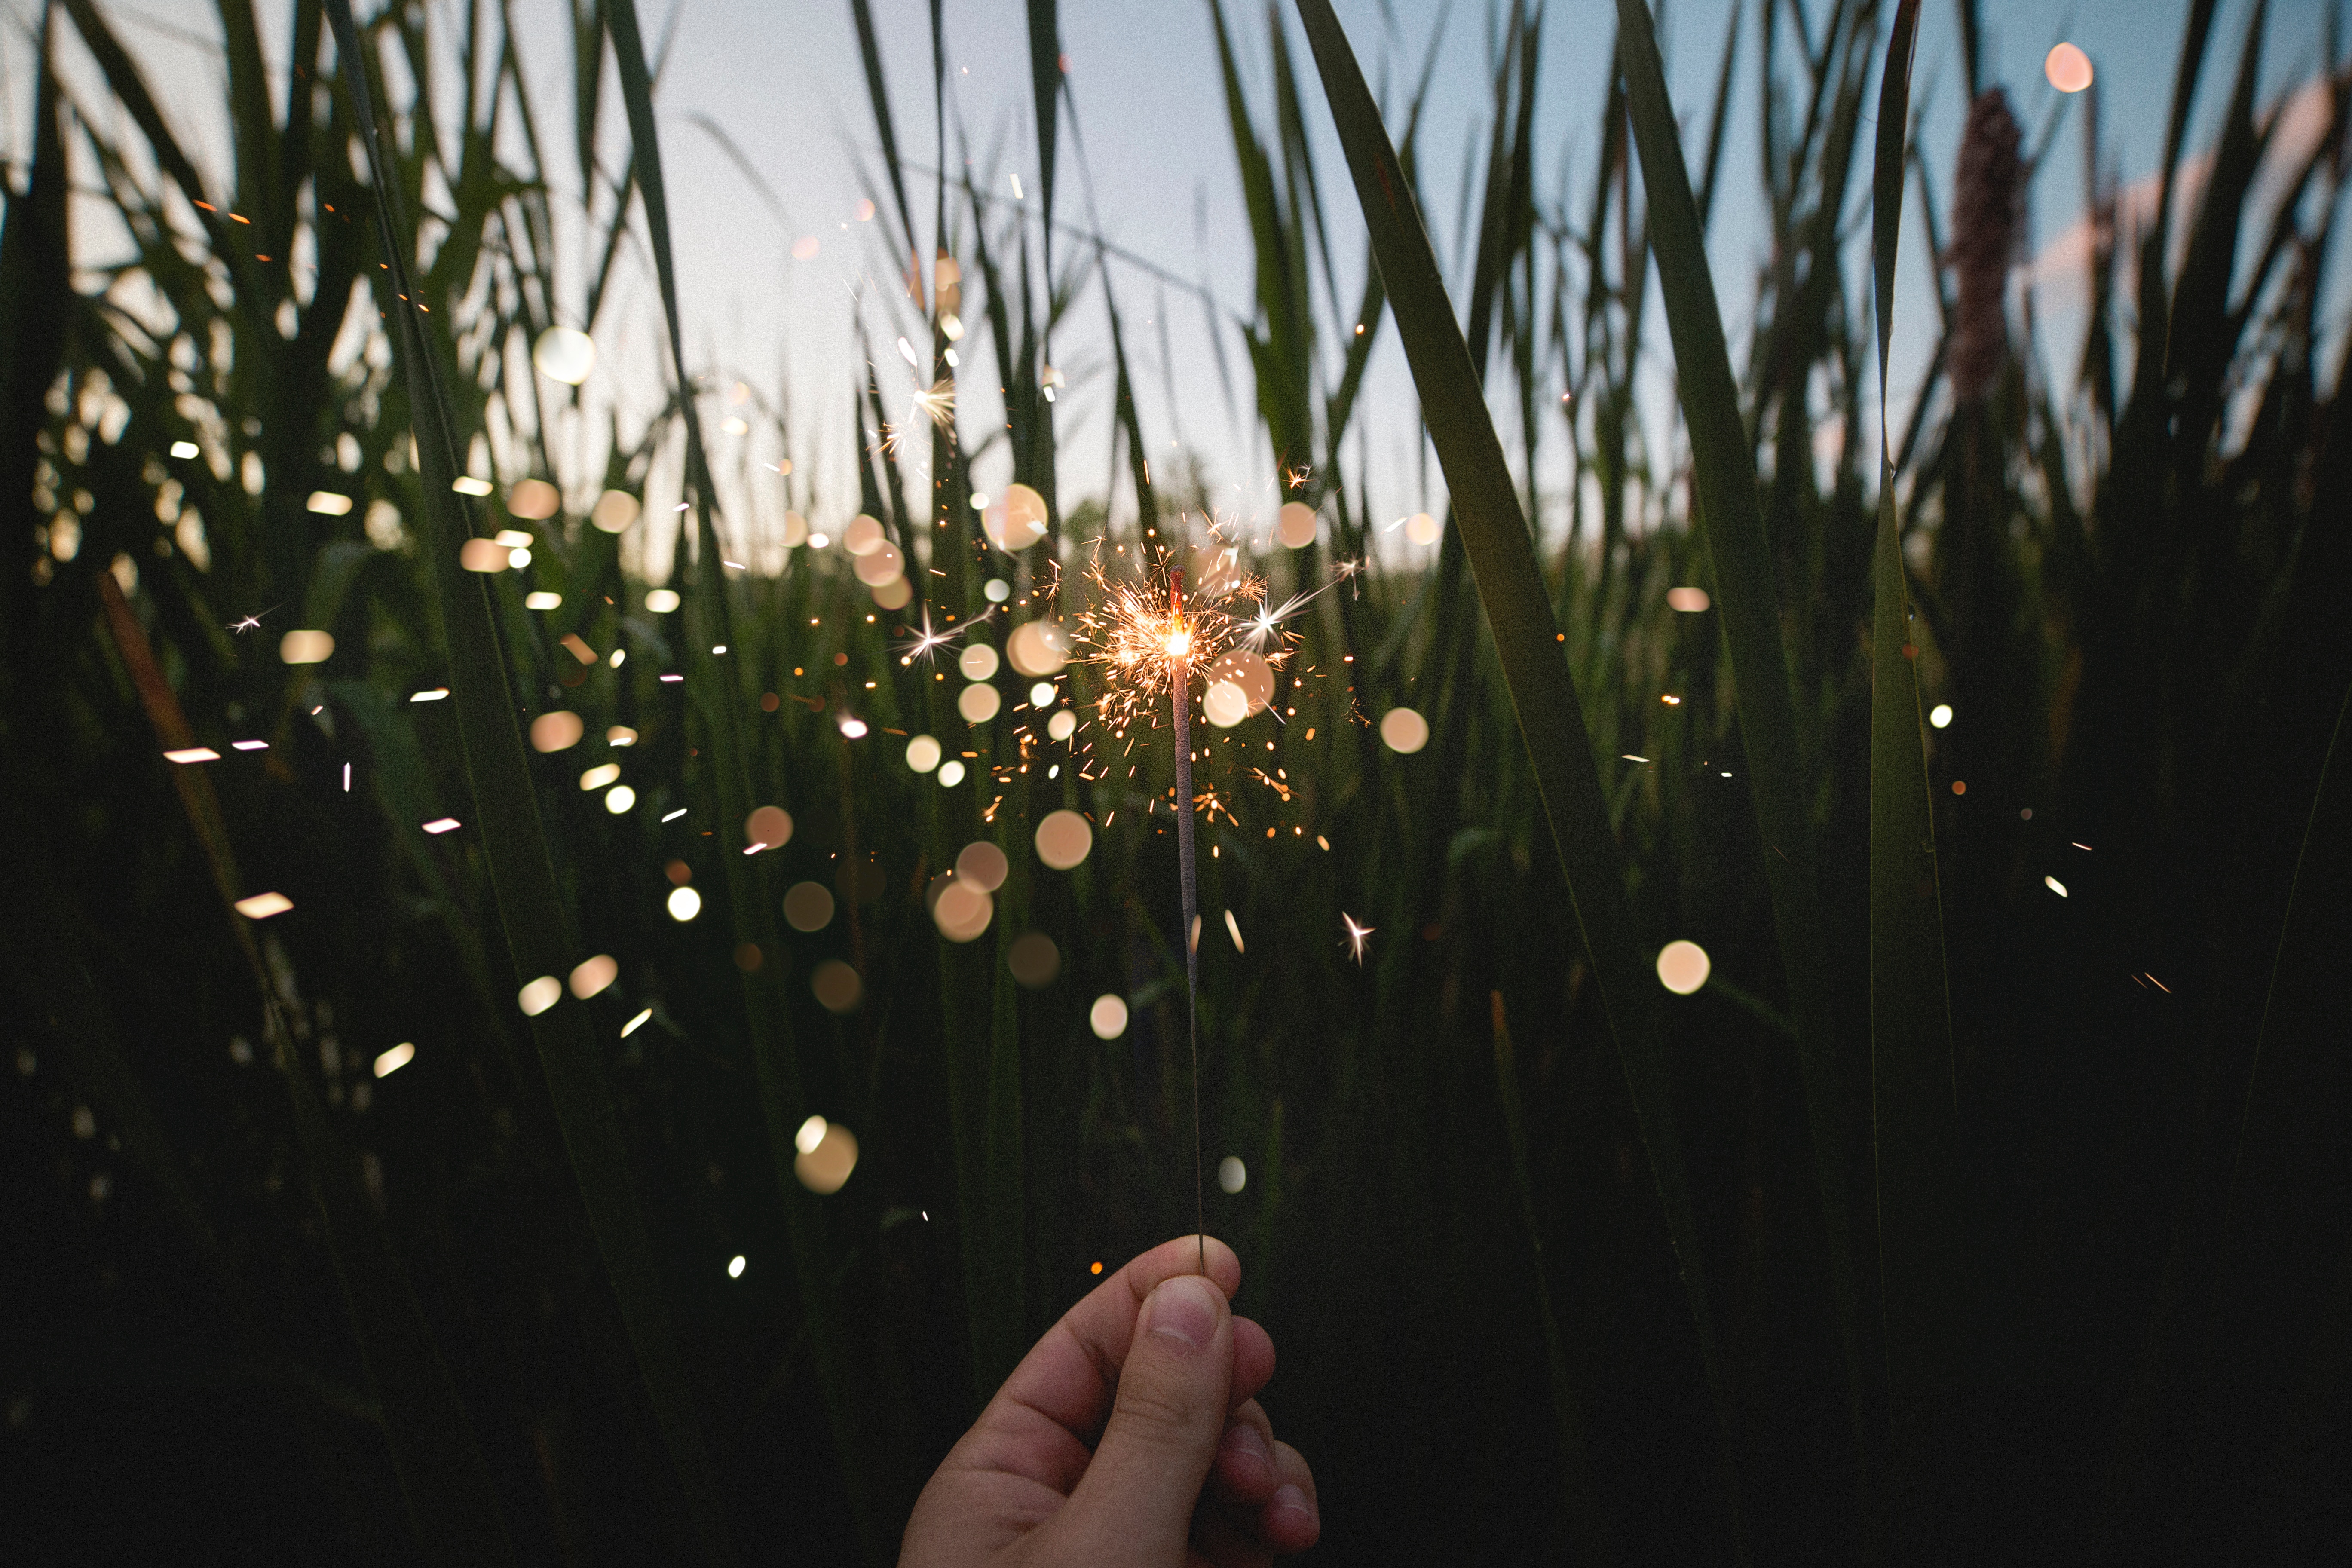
pixel 1149 638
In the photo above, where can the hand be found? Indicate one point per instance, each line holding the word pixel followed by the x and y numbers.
pixel 1097 1451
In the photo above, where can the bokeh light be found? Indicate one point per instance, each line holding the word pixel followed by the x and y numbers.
pixel 261 906
pixel 962 911
pixel 684 903
pixel 1420 528
pixel 542 600
pixel 564 354
pixel 1018 520
pixel 922 753
pixel 1042 694
pixel 539 996
pixel 809 1134
pixel 771 826
pixel 1689 601
pixel 306 647
pixel 614 512
pixel 1107 1018
pixel 950 774
pixel 979 702
pixel 1403 730
pixel 594 975
pixel 1034 959
pixel 1683 967
pixel 981 865
pixel 662 601
pixel 1248 672
pixel 1940 714
pixel 393 1060
pixel 619 799
pixel 597 777
pixel 2068 68
pixel 1038 648
pixel 977 662
pixel 808 906
pixel 1232 1174
pixel 1063 838
pixel 1224 704
pixel 483 555
pixel 864 535
pixel 1062 725
pixel 1295 524
pixel 735 1266
pixel 881 564
pixel 533 500
pixel 826 1167
pixel 836 985
pixel 894 595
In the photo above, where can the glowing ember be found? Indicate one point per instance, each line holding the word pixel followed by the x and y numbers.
pixel 261 906
pixel 442 825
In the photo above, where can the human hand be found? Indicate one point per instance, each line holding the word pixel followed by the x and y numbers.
pixel 1130 1436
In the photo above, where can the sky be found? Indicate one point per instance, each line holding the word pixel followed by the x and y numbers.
pixel 782 80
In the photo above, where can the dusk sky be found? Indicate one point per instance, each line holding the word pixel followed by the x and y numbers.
pixel 785 82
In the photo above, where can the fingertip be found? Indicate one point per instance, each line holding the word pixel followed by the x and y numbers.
pixel 1290 1522
pixel 1185 1255
pixel 1253 1358
pixel 1245 1464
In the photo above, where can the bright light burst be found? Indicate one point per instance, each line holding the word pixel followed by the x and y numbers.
pixel 1358 936
pixel 1141 628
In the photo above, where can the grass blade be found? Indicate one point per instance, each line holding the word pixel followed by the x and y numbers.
pixel 720 700
pixel 870 51
pixel 451 1504
pixel 1912 1084
pixel 1724 486
pixel 535 920
pixel 1527 641
pixel 1580 1502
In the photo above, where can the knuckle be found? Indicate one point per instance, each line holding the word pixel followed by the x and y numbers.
pixel 1154 1411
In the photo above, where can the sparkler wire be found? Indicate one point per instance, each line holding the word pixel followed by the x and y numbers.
pixel 1181 686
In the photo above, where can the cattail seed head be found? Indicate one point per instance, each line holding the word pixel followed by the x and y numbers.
pixel 1985 210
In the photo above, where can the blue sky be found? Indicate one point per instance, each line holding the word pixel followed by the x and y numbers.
pixel 783 80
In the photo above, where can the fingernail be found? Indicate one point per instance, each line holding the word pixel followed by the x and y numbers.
pixel 1289 1498
pixel 1242 1442
pixel 1184 1309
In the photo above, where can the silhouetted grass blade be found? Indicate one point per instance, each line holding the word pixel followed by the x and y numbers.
pixel 536 921
pixel 1526 640
pixel 1915 1133
pixel 1725 510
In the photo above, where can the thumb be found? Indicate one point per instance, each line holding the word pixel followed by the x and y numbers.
pixel 1135 1502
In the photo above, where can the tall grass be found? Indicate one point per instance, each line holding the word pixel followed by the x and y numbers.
pixel 1950 1212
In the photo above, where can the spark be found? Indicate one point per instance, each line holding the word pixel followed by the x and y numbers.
pixel 1358 936
pixel 245 624
pixel 935 402
pixel 927 641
